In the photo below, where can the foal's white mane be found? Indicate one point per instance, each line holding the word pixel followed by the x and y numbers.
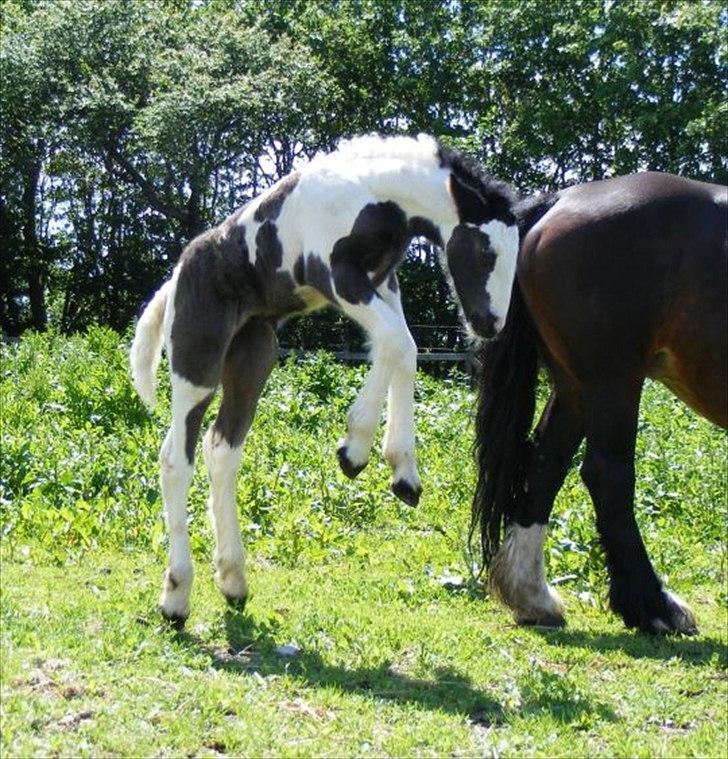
pixel 405 170
pixel 421 149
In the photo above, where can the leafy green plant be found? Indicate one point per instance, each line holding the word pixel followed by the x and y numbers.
pixel 79 468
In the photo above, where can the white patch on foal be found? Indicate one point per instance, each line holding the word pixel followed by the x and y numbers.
pixel 518 577
pixel 504 242
pixel 176 476
pixel 222 462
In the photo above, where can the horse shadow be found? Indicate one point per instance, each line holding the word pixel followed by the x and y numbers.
pixel 251 650
pixel 640 646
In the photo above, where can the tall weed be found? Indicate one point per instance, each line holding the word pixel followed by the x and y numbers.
pixel 79 469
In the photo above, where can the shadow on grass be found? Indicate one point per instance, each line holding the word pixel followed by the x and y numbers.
pixel 638 645
pixel 251 650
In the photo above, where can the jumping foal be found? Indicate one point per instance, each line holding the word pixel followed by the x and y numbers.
pixel 332 233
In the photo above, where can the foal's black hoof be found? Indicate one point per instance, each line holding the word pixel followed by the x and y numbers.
pixel 173 620
pixel 349 469
pixel 237 602
pixel 405 492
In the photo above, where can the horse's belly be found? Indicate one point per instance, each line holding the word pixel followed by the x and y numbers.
pixel 311 298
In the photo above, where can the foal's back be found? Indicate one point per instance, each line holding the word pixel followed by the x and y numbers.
pixel 629 276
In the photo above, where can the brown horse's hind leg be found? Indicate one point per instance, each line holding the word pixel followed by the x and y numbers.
pixel 517 574
pixel 636 593
pixel 248 362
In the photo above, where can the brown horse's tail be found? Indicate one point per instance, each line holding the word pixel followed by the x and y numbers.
pixel 506 406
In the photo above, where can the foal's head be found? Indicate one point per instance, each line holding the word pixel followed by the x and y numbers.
pixel 480 251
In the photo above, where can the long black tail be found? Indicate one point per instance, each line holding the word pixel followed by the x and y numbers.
pixel 506 406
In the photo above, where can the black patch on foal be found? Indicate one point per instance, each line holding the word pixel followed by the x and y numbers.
pixel 268 251
pixel 471 261
pixel 248 362
pixel 193 422
pixel 281 298
pixel 375 246
pixel 277 286
pixel 216 286
pixel 318 276
pixel 270 207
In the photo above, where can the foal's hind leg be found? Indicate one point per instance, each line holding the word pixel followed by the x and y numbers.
pixel 248 362
pixel 636 593
pixel 517 573
pixel 189 403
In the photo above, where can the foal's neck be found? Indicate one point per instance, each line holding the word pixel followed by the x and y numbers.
pixel 420 191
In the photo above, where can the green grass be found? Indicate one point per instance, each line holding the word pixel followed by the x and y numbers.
pixel 393 659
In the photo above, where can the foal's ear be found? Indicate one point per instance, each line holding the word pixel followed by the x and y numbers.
pixel 468 201
pixel 476 205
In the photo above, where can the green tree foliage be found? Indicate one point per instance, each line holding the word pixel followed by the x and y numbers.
pixel 582 90
pixel 131 125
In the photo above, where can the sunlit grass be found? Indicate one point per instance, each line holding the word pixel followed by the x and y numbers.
pixel 394 658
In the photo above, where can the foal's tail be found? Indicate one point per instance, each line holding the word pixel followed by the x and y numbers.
pixel 506 406
pixel 146 349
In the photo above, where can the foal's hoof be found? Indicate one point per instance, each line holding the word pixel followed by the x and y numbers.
pixel 176 621
pixel 543 620
pixel 237 602
pixel 405 492
pixel 347 467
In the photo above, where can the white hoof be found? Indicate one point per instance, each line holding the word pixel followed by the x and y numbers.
pixel 543 608
pixel 518 578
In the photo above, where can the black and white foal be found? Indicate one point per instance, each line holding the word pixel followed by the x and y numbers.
pixel 332 233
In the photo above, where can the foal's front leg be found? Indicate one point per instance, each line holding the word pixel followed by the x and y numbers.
pixel 391 342
pixel 399 438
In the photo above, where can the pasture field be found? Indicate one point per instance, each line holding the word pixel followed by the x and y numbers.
pixel 397 650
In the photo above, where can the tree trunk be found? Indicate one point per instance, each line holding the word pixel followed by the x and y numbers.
pixel 31 250
pixel 7 324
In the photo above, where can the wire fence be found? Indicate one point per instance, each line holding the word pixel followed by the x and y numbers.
pixel 436 343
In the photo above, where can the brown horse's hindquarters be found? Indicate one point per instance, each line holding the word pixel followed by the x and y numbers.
pixel 632 310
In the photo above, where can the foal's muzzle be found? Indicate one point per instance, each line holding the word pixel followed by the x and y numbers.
pixel 484 324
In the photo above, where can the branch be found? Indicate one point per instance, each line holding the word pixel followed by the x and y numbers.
pixel 148 189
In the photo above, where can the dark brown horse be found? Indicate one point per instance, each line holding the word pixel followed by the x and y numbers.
pixel 617 281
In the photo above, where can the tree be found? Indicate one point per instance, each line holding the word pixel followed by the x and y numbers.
pixel 128 127
pixel 571 92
